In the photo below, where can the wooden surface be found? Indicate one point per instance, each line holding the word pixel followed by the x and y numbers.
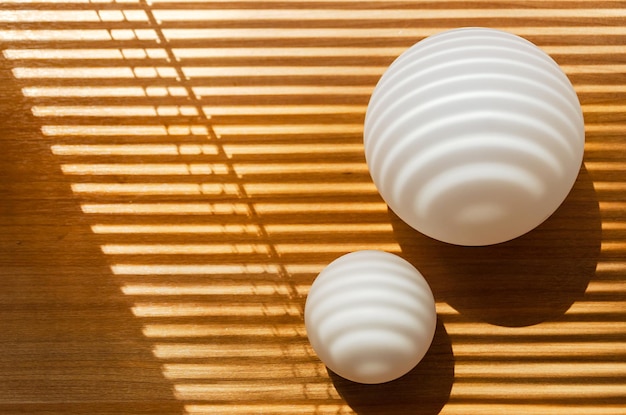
pixel 175 174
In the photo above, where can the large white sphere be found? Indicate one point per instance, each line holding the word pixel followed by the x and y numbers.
pixel 474 136
pixel 370 316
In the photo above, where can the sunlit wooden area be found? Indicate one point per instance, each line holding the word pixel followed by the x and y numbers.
pixel 175 173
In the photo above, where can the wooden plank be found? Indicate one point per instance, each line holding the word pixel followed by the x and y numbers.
pixel 175 173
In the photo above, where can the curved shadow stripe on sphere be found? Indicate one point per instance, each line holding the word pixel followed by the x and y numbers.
pixel 525 281
pixel 423 391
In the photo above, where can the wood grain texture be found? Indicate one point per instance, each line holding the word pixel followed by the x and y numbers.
pixel 176 173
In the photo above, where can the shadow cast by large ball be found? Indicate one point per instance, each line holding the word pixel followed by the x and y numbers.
pixel 525 281
pixel 423 391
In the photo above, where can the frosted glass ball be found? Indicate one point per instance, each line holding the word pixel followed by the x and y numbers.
pixel 370 316
pixel 474 136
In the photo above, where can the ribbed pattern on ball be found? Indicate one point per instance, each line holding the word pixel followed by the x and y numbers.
pixel 474 136
pixel 370 316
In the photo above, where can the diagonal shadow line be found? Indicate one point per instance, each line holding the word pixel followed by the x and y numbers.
pixel 183 80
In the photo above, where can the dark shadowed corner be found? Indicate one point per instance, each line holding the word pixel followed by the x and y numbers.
pixel 70 343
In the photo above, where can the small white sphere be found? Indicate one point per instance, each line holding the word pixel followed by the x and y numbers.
pixel 370 316
pixel 474 136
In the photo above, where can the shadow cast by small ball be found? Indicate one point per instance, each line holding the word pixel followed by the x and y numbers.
pixel 423 391
pixel 525 281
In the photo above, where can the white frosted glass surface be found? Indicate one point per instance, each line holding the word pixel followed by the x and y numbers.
pixel 370 316
pixel 474 136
